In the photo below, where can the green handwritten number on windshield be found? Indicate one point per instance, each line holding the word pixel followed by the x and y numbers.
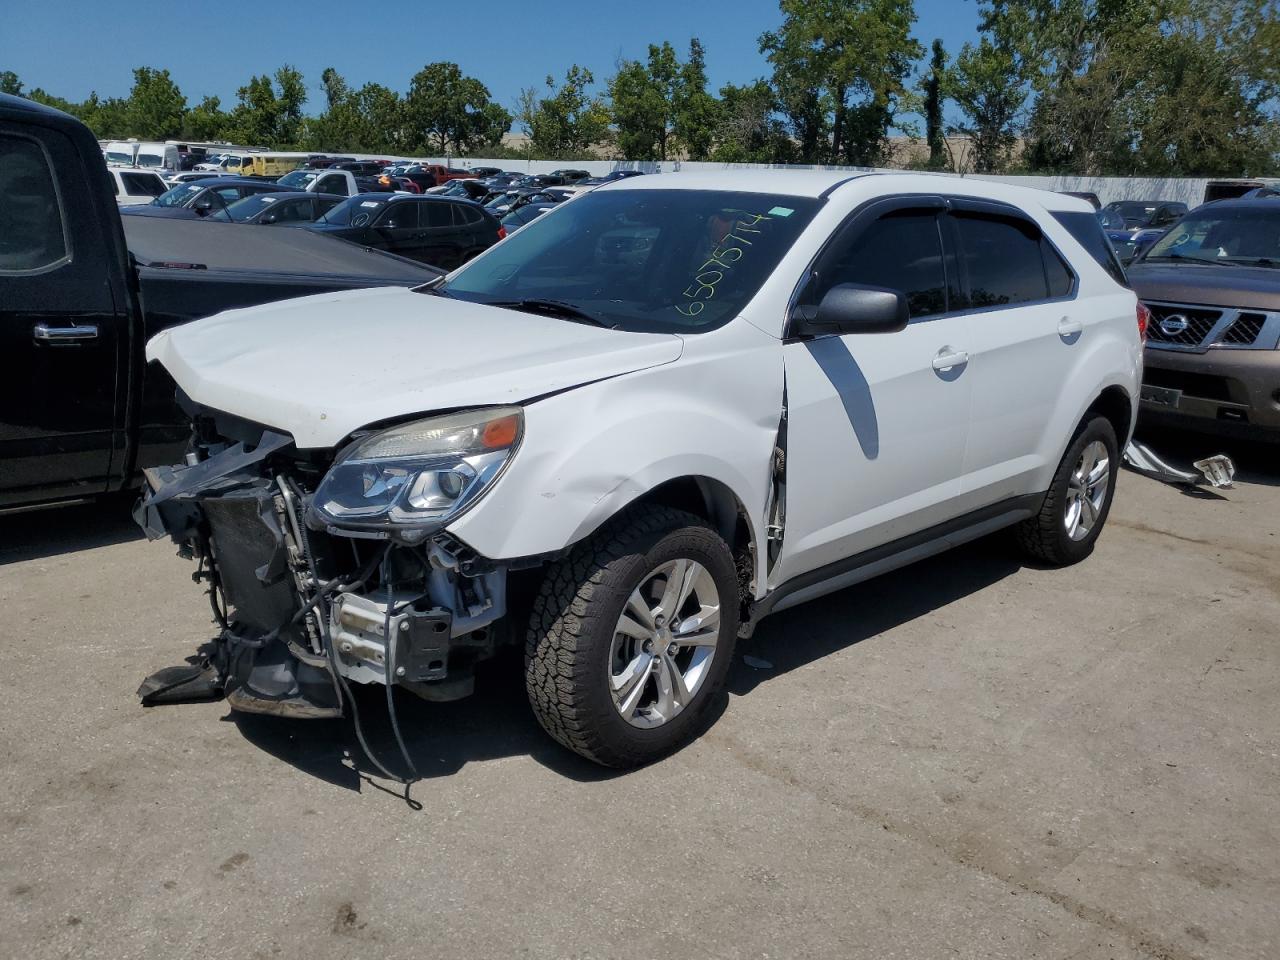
pixel 723 257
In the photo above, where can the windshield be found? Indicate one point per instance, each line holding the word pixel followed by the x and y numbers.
pixel 180 195
pixel 245 209
pixel 1241 235
pixel 299 179
pixel 115 156
pixel 1109 219
pixel 353 212
pixel 645 260
pixel 150 160
pixel 1135 212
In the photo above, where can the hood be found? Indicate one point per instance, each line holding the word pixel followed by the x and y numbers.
pixel 1214 285
pixel 172 213
pixel 321 367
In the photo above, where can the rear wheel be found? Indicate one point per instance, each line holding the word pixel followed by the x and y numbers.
pixel 631 637
pixel 1078 501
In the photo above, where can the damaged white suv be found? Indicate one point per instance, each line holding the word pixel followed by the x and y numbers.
pixel 640 424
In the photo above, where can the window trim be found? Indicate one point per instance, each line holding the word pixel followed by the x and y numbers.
pixel 68 255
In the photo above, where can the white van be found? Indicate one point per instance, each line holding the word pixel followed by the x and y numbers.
pixel 121 152
pixel 158 156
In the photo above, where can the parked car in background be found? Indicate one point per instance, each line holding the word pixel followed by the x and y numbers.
pixel 1212 284
pixel 268 165
pixel 540 180
pixel 568 175
pixel 191 175
pixel 522 216
pixel 588 445
pixel 477 190
pixel 612 177
pixel 82 289
pixel 324 163
pixel 226 163
pixel 134 185
pixel 269 208
pixel 440 231
pixel 388 182
pixel 326 180
pixel 1088 195
pixel 1132 226
pixel 482 173
pixel 162 157
pixel 201 198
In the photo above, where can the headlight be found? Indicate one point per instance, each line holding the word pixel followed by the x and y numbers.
pixel 415 478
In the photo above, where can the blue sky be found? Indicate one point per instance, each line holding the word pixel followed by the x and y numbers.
pixel 213 49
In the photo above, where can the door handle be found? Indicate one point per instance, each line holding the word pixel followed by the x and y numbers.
pixel 43 333
pixel 1068 328
pixel 948 358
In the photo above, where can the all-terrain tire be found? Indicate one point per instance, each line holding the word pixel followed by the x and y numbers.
pixel 571 631
pixel 1045 536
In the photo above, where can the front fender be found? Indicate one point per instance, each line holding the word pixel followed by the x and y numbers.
pixel 589 452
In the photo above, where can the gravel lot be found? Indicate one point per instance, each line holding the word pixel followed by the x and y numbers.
pixel 971 758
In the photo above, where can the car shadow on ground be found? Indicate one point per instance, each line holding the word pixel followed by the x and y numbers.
pixel 497 722
pixel 50 533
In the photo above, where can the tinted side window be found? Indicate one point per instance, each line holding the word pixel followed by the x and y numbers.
pixel 1003 260
pixel 436 214
pixel 1056 271
pixel 31 232
pixel 902 251
pixel 403 215
pixel 143 184
pixel 1088 233
pixel 466 214
pixel 332 184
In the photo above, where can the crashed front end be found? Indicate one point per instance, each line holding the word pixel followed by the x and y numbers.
pixel 330 566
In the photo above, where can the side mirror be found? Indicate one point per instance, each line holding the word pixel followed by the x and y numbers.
pixel 853 308
pixel 202 207
pixel 270 218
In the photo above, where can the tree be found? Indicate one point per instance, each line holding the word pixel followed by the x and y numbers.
pixel 567 123
pixel 840 69
pixel 748 129
pixel 990 83
pixel 451 113
pixel 933 98
pixel 270 115
pixel 696 111
pixel 642 97
pixel 155 106
pixel 205 121
pixel 10 84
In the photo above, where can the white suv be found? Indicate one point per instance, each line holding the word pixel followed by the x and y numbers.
pixel 626 433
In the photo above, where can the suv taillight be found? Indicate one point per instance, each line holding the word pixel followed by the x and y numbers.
pixel 1144 319
pixel 502 232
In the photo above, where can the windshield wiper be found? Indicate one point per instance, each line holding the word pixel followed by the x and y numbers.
pixel 553 308
pixel 1249 261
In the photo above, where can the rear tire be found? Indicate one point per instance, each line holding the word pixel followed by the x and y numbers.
pixel 1079 499
pixel 617 668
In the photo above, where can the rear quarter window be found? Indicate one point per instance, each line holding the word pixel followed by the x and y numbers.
pixel 1087 231
pixel 31 225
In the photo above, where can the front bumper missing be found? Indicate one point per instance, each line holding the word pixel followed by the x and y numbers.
pixel 303 611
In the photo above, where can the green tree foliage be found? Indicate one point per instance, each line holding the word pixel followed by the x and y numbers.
pixel 697 112
pixel 155 106
pixel 568 122
pixel 270 114
pixel 1160 87
pixel 748 128
pixel 990 83
pixel 643 101
pixel 840 69
pixel 10 84
pixel 932 95
pixel 205 121
pixel 448 112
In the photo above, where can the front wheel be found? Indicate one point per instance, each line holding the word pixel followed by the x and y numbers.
pixel 631 636
pixel 1078 501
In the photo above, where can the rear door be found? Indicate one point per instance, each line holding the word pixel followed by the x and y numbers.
pixel 1023 325
pixel 441 240
pixel 61 331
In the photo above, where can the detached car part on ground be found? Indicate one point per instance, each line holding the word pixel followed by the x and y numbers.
pixel 628 432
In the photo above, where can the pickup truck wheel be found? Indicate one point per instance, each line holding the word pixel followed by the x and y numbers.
pixel 631 636
pixel 1078 501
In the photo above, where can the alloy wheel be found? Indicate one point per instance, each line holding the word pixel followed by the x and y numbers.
pixel 1087 490
pixel 664 642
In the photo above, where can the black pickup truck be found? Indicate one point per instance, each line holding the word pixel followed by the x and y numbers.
pixel 81 293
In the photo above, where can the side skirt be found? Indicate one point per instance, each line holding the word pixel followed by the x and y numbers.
pixel 892 556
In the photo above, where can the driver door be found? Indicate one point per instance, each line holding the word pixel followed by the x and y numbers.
pixel 877 423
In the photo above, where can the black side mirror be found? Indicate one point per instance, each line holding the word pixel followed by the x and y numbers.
pixel 853 308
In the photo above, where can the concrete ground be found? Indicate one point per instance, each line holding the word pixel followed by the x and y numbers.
pixel 972 758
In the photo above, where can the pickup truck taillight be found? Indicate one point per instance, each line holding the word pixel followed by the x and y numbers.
pixel 1144 318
